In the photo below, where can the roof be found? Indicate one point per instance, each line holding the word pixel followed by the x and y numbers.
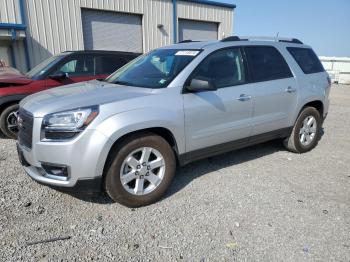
pixel 191 45
pixel 209 2
pixel 99 52
pixel 234 40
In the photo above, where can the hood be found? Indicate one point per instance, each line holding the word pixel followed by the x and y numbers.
pixel 9 75
pixel 79 95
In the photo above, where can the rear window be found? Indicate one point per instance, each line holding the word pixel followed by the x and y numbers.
pixel 266 63
pixel 306 59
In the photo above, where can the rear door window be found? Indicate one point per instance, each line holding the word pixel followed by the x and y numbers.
pixel 106 65
pixel 266 63
pixel 306 59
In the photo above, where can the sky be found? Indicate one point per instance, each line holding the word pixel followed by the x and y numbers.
pixel 323 24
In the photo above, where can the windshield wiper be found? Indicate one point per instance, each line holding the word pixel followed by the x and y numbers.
pixel 124 83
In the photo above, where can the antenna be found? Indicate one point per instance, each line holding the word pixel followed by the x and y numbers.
pixel 277 36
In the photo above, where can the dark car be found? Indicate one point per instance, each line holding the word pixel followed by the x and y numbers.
pixel 62 69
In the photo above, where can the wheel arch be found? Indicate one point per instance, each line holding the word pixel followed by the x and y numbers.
pixel 10 100
pixel 161 131
pixel 316 103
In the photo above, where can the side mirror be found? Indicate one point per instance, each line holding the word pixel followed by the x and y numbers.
pixel 201 84
pixel 59 76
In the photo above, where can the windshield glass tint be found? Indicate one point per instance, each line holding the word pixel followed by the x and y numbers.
pixel 43 67
pixel 155 69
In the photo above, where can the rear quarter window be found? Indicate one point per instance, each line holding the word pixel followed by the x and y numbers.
pixel 306 59
pixel 266 63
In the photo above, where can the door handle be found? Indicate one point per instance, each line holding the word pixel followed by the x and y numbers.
pixel 290 89
pixel 244 97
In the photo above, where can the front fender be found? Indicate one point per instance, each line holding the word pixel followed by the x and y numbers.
pixel 127 122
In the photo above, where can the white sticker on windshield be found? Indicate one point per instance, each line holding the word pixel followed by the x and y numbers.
pixel 187 52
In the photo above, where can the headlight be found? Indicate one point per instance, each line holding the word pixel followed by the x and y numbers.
pixel 67 124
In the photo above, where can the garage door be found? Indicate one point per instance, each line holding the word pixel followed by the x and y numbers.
pixel 197 30
pixel 103 30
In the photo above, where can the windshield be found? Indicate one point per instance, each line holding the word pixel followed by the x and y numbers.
pixel 44 66
pixel 155 69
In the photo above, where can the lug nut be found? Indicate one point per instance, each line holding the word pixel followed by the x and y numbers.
pixel 137 173
pixel 144 163
pixel 148 167
pixel 138 166
pixel 147 174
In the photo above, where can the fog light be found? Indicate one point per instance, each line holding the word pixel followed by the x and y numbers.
pixel 58 171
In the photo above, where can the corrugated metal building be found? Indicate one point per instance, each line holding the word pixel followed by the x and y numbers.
pixel 33 30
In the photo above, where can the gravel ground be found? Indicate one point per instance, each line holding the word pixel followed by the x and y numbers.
pixel 257 204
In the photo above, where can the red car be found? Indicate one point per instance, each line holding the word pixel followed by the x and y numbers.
pixel 65 68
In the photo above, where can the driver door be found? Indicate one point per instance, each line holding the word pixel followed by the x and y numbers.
pixel 213 118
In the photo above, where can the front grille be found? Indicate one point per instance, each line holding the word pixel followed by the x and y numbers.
pixel 25 127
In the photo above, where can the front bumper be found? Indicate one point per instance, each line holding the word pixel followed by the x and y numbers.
pixel 83 157
pixel 93 185
pixel 88 185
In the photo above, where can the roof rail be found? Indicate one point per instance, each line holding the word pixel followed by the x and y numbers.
pixel 250 38
pixel 293 40
pixel 187 41
pixel 231 38
pixel 269 38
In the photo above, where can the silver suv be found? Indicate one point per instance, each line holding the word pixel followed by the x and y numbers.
pixel 126 135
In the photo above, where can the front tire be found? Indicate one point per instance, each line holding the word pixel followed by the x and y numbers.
pixel 8 121
pixel 306 131
pixel 141 170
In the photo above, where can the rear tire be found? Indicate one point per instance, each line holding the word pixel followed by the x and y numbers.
pixel 141 170
pixel 306 131
pixel 8 121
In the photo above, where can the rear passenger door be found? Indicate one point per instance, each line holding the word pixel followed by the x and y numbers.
pixel 273 86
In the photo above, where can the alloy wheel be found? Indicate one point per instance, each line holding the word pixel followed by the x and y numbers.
pixel 142 171
pixel 308 131
pixel 12 123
